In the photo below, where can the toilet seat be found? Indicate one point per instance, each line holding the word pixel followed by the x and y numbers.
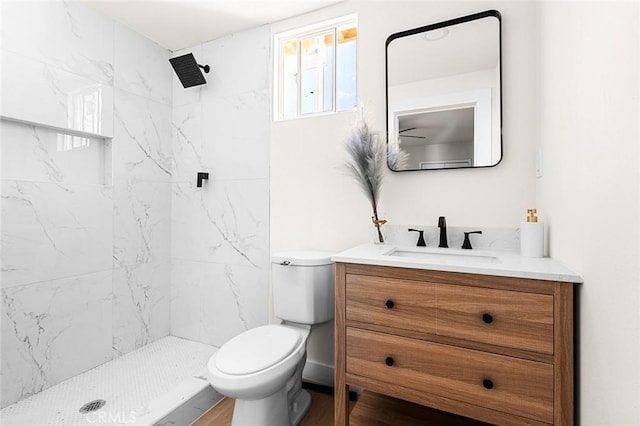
pixel 256 349
pixel 260 383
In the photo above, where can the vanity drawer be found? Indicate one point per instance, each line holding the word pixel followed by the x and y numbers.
pixel 391 303
pixel 510 385
pixel 498 317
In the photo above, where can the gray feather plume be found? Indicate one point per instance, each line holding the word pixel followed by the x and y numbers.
pixel 366 161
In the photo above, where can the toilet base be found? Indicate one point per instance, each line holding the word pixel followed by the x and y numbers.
pixel 299 407
pixel 271 411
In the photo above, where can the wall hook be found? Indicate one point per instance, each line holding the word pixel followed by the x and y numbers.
pixel 202 176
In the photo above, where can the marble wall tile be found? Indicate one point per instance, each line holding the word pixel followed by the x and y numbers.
pixel 54 330
pixel 65 34
pixel 227 136
pixel 141 222
pixel 186 284
pixel 141 297
pixel 51 231
pixel 39 92
pixel 188 145
pixel 141 66
pixel 187 219
pixel 38 154
pixel 236 133
pixel 142 139
pixel 225 221
pixel 233 73
pixel 233 299
pixel 213 302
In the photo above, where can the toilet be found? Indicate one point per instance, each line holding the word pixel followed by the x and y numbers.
pixel 262 367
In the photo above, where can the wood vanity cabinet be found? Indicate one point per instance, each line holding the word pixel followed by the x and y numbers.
pixel 496 349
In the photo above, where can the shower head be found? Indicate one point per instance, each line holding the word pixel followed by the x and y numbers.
pixel 188 70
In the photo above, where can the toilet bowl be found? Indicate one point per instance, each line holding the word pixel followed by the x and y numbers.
pixel 262 368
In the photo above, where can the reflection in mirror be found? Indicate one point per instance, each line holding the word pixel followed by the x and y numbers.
pixel 444 93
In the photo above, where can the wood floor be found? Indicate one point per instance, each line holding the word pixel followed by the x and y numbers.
pixel 370 410
pixel 320 413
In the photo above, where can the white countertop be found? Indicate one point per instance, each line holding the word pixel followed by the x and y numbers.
pixel 484 262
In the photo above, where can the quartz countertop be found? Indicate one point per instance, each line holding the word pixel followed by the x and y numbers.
pixel 484 262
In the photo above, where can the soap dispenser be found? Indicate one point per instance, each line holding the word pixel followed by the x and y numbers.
pixel 532 236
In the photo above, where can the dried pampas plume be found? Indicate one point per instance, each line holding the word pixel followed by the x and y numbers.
pixel 366 163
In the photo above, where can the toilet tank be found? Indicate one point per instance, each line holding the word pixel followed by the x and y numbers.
pixel 303 286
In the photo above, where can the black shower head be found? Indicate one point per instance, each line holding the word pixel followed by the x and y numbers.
pixel 188 70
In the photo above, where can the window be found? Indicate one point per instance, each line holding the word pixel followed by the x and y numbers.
pixel 315 69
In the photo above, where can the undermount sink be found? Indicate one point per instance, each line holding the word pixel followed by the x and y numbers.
pixel 442 255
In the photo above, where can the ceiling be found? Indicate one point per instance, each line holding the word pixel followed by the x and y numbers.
pixel 437 127
pixel 178 24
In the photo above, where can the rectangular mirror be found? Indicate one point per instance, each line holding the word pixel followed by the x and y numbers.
pixel 444 90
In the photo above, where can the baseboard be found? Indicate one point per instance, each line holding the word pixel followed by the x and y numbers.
pixel 316 372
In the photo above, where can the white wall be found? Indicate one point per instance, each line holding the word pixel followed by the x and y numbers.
pixel 589 193
pixel 570 85
pixel 307 153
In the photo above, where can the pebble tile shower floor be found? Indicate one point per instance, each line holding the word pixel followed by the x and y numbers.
pixel 137 388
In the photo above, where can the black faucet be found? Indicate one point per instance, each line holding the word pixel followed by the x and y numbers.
pixel 467 244
pixel 442 224
pixel 421 242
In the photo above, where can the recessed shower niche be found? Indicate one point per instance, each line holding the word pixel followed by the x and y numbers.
pixel 35 153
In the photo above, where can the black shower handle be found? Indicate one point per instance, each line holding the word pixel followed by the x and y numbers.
pixel 202 176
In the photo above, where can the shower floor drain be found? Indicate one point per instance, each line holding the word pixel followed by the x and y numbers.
pixel 93 406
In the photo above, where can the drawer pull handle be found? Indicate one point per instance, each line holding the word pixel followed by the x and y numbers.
pixel 487 318
pixel 488 384
pixel 389 361
pixel 389 304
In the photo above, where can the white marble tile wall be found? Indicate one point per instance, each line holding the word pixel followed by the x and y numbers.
pixel 84 266
pixel 141 67
pixel 52 330
pixel 38 92
pixel 65 34
pixel 57 63
pixel 142 138
pixel 212 302
pixel 141 312
pixel 142 222
pixel 220 232
pixel 37 154
pixel 50 231
pixel 142 191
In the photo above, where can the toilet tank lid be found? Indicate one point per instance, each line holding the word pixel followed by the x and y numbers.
pixel 303 257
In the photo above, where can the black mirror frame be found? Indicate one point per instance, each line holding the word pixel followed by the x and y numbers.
pixel 448 23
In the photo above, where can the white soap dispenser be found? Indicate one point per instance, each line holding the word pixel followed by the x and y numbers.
pixel 532 236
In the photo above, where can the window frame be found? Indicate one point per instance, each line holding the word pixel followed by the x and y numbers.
pixel 332 26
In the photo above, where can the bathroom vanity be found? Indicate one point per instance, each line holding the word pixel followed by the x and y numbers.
pixel 488 335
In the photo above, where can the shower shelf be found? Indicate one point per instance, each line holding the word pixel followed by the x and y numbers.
pixel 63 130
pixel 37 152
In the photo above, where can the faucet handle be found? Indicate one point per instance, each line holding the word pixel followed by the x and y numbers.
pixel 421 242
pixel 467 244
pixel 442 224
